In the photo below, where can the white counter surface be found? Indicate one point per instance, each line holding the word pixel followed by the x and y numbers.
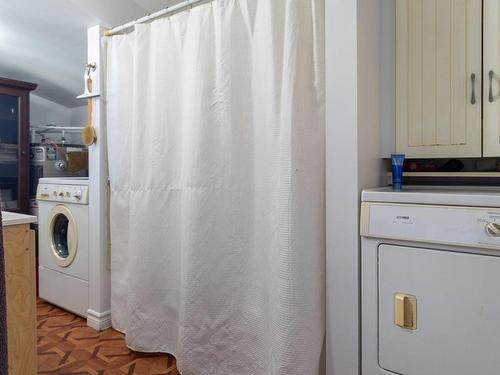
pixel 11 218
pixel 472 196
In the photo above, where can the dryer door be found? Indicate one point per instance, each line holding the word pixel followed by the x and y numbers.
pixel 62 235
pixel 439 312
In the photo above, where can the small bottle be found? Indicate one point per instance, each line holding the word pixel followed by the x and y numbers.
pixel 397 161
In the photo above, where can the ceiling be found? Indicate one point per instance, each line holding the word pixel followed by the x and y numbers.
pixel 45 42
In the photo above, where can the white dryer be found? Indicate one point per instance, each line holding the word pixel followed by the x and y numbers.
pixel 430 281
pixel 63 242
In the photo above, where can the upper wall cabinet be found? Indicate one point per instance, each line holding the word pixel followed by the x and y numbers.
pixel 491 79
pixel 438 78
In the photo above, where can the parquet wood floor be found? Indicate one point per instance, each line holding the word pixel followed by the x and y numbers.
pixel 67 346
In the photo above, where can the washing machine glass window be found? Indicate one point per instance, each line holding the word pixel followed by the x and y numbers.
pixel 62 235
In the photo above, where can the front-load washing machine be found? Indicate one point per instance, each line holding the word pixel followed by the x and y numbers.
pixel 63 242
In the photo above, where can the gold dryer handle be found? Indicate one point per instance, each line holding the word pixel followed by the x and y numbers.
pixel 405 311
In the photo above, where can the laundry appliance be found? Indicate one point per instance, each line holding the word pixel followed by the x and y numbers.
pixel 430 266
pixel 64 242
pixel 54 161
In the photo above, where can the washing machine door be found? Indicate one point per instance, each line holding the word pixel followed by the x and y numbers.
pixel 62 236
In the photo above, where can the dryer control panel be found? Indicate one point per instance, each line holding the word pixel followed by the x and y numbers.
pixel 449 225
pixel 75 194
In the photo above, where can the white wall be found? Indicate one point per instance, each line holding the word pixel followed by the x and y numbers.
pixel 78 116
pixel 99 311
pixel 341 188
pixel 43 112
pixel 387 45
pixel 373 95
pixel 353 113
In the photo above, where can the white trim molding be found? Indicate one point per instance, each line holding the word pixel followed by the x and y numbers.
pixel 99 321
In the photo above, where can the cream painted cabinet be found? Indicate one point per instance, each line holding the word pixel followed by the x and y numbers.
pixel 491 78
pixel 438 78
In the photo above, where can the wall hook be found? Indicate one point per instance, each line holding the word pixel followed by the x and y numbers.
pixel 90 67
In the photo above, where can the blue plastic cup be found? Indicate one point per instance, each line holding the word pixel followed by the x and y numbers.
pixel 397 170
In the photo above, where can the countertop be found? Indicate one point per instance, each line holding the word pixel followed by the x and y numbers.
pixel 472 196
pixel 11 218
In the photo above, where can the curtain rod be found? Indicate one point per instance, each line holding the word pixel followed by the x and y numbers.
pixel 161 13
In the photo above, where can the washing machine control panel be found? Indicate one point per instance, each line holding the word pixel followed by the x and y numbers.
pixel 76 194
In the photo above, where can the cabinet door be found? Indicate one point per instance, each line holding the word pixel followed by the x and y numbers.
pixel 14 144
pixel 10 166
pixel 491 79
pixel 438 78
pixel 19 250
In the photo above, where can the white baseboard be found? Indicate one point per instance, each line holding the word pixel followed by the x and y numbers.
pixel 99 321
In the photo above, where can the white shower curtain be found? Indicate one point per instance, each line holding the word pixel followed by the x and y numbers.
pixel 216 157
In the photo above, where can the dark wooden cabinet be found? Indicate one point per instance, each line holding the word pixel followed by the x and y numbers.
pixel 14 144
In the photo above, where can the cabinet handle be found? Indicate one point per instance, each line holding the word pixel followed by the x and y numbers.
pixel 405 311
pixel 491 99
pixel 473 82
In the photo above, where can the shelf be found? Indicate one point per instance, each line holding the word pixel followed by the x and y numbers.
pixel 56 129
pixel 494 174
pixel 86 96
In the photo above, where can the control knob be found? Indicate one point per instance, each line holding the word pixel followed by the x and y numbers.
pixel 493 229
pixel 77 195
